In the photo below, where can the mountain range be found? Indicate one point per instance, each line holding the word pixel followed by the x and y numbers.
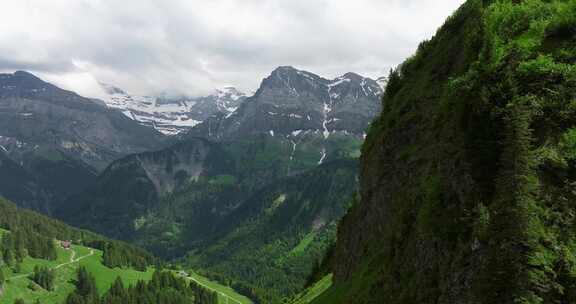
pixel 235 169
pixel 194 198
pixel 36 115
pixel 53 142
pixel 292 102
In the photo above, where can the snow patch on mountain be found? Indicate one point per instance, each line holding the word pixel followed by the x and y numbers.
pixel 173 115
pixel 338 81
pixel 382 82
pixel 291 102
pixel 322 157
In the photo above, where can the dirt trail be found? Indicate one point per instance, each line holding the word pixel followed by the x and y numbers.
pixel 72 261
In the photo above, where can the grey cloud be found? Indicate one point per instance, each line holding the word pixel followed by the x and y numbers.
pixel 10 64
pixel 149 46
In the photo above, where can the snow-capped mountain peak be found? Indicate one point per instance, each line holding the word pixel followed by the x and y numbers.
pixel 229 93
pixel 291 100
pixel 172 115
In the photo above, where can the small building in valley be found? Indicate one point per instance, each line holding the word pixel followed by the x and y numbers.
pixel 66 244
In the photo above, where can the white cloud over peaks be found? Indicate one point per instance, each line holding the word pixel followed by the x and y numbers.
pixel 193 46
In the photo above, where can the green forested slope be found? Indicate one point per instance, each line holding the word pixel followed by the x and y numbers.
pixel 467 178
pixel 18 285
pixel 259 211
pixel 270 246
pixel 32 234
pixel 36 267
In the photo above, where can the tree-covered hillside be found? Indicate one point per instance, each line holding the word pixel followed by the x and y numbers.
pixel 41 179
pixel 214 201
pixel 32 234
pixel 271 245
pixel 45 261
pixel 467 177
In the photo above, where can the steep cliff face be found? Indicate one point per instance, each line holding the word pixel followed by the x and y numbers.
pixel 467 178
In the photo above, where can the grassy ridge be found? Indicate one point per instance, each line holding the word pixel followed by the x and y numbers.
pixel 310 294
pixel 226 295
pixel 19 286
pixel 105 276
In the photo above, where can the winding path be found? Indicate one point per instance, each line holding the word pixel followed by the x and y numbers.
pixel 72 261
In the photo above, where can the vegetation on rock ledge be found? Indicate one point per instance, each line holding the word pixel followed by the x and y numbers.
pixel 467 183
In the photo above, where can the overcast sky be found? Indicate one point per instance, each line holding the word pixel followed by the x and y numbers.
pixel 193 46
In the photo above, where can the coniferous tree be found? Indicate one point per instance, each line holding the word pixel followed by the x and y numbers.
pixel 85 284
pixel 44 277
pixel 116 293
pixel 2 279
pixel 17 267
pixel 75 298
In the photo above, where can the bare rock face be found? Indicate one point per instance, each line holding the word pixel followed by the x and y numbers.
pixel 290 101
pixel 317 119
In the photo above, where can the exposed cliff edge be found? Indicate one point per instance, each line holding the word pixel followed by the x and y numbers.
pixel 468 178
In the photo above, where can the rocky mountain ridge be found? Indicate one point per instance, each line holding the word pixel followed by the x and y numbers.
pixel 36 115
pixel 291 102
pixel 53 142
pixel 173 115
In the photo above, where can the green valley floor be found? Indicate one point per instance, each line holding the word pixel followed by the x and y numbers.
pixel 19 286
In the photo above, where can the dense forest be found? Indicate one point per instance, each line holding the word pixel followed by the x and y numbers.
pixel 272 243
